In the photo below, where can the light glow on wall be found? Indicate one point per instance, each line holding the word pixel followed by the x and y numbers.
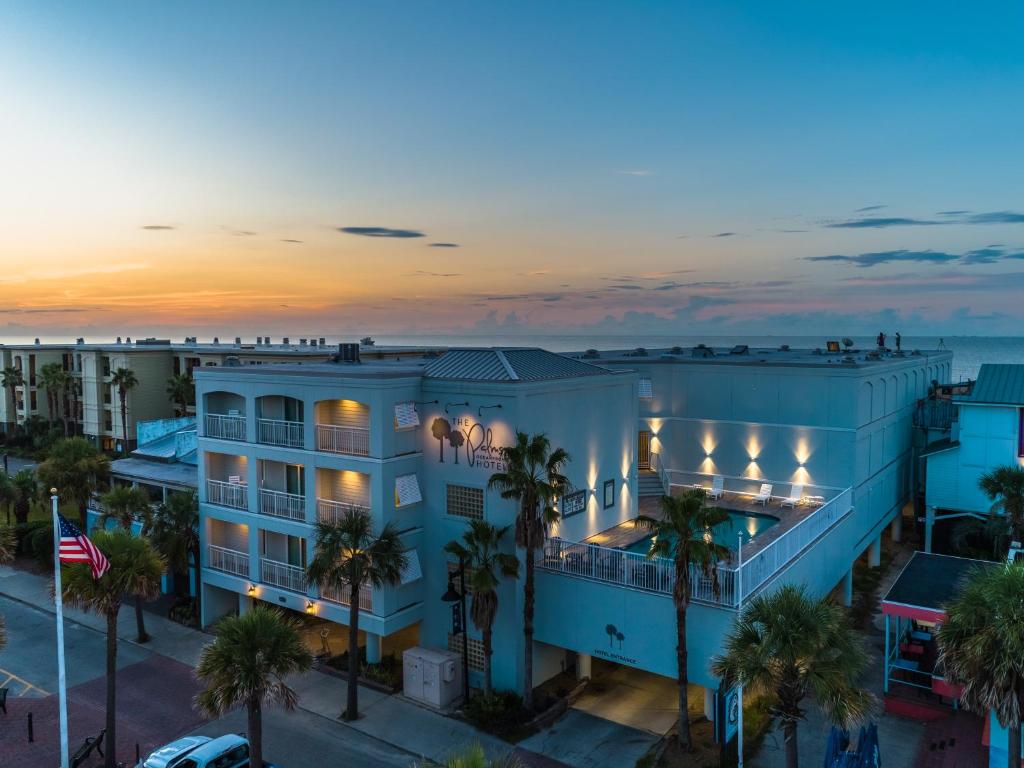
pixel 753 448
pixel 708 444
pixel 801 475
pixel 803 451
pixel 752 471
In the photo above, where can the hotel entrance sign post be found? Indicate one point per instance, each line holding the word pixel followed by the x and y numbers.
pixel 739 609
pixel 458 600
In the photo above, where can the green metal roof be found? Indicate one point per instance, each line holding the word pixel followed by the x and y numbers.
pixel 998 383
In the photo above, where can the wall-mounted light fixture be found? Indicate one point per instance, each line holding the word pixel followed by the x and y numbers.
pixel 446 405
pixel 481 408
pixel 252 589
pixel 310 606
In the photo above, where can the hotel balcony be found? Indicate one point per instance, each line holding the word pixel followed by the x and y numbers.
pixel 343 426
pixel 290 577
pixel 282 489
pixel 342 596
pixel 281 504
pixel 234 494
pixel 280 421
pixel 226 480
pixel 228 560
pixel 225 416
pixel 339 492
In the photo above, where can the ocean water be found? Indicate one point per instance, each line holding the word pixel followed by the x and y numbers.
pixel 969 352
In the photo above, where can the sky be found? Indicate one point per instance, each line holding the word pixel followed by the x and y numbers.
pixel 529 167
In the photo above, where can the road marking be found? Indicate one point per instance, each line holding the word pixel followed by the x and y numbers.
pixel 21 681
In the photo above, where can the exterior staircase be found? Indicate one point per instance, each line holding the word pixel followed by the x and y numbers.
pixel 650 483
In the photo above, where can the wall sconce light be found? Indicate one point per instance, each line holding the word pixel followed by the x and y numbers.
pixel 449 404
pixel 478 410
pixel 251 590
pixel 310 607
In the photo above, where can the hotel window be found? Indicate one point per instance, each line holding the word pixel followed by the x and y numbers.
pixel 466 501
pixel 33 404
pixel 646 389
pixel 475 650
pixel 407 490
pixel 406 416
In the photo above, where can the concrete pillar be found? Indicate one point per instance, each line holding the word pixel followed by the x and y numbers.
pixel 929 524
pixel 848 588
pixel 244 604
pixel 374 648
pixel 709 704
pixel 583 665
pixel 875 552
pixel 897 528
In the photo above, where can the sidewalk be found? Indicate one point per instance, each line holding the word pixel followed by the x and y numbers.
pixel 391 719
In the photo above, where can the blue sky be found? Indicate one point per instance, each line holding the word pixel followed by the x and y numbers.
pixel 589 166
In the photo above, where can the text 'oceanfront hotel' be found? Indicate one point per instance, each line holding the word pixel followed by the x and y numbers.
pixel 414 441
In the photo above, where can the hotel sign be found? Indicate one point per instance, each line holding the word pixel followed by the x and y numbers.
pixel 467 441
pixel 574 503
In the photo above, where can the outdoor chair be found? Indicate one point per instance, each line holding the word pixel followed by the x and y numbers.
pixel 796 496
pixel 91 743
pixel 717 487
pixel 764 495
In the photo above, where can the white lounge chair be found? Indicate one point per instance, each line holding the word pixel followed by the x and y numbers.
pixel 764 495
pixel 796 496
pixel 717 487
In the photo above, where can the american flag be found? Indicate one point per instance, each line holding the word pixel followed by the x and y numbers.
pixel 75 547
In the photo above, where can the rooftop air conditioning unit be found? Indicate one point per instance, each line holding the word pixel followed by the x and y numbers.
pixel 238 339
pixel 323 341
pixel 348 353
pixel 739 349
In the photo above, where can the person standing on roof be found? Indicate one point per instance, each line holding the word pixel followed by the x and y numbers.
pixel 899 340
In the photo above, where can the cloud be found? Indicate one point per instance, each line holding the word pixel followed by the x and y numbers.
pixel 724 234
pixel 867 208
pixel 951 213
pixel 996 217
pixel 444 245
pixel 157 227
pixel 243 233
pixel 627 287
pixel 989 255
pixel 636 172
pixel 423 273
pixel 949 217
pixel 381 232
pixel 48 310
pixel 289 240
pixel 877 222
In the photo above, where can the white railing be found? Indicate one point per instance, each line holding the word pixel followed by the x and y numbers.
pixel 278 432
pixel 328 511
pixel 228 560
pixel 225 427
pixel 659 466
pixel 342 596
pixel 764 564
pixel 283 575
pixel 351 440
pixel 281 504
pixel 234 495
pixel 632 569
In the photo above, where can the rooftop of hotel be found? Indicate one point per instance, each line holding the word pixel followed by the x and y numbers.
pixel 997 384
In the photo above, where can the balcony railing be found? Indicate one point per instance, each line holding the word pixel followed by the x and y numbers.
pixel 234 495
pixel 328 511
pixel 228 560
pixel 225 427
pixel 281 504
pixel 342 596
pixel 354 441
pixel 290 577
pixel 278 432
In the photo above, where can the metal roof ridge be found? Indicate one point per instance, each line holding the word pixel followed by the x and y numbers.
pixel 508 366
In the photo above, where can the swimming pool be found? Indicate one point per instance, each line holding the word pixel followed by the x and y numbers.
pixel 750 523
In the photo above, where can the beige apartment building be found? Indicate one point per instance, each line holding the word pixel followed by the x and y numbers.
pixel 154 362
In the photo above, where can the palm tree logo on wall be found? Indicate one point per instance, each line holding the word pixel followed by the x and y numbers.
pixel 441 430
pixel 613 634
pixel 456 441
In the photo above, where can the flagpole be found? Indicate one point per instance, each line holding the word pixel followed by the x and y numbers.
pixel 739 611
pixel 59 601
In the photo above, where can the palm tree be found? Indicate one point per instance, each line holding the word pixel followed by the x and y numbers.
pixel 181 390
pixel 480 553
pixel 125 381
pixel 787 644
pixel 533 478
pixel 981 647
pixel 175 534
pixel 51 379
pixel 75 388
pixel 125 505
pixel 247 664
pixel 348 555
pixel 7 547
pixel 8 494
pixel 26 488
pixel 135 569
pixel 683 534
pixel 1004 486
pixel 11 379
pixel 76 467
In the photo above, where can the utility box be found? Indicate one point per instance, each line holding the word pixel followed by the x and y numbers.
pixel 431 677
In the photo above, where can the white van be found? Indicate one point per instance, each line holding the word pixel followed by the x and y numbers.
pixel 230 751
pixel 171 755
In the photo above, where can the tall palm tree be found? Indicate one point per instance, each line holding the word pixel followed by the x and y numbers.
pixel 247 664
pixel 348 555
pixel 981 647
pixel 8 494
pixel 485 563
pixel 175 534
pixel 135 569
pixel 1004 486
pixel 26 488
pixel 125 505
pixel 787 644
pixel 683 534
pixel 181 390
pixel 67 382
pixel 75 389
pixel 76 467
pixel 52 380
pixel 533 477
pixel 11 379
pixel 125 381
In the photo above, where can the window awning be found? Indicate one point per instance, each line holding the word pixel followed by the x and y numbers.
pixel 407 490
pixel 406 416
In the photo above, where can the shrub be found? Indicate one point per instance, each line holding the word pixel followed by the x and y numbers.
pixel 40 543
pixel 183 611
pixel 23 535
pixel 500 712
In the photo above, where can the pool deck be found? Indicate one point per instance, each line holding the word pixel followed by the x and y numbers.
pixel 626 534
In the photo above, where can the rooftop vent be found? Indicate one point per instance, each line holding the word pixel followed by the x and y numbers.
pixel 266 340
pixel 259 341
pixel 323 341
pixel 127 339
pixel 238 339
pixel 302 342
pixel 348 352
pixel 739 349
pixel 80 340
pixel 37 341
pixel 118 339
pixel 285 341
pixel 216 340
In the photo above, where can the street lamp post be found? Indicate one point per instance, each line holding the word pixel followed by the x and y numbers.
pixel 458 599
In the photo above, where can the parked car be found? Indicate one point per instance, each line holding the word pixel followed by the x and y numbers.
pixel 171 755
pixel 228 751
